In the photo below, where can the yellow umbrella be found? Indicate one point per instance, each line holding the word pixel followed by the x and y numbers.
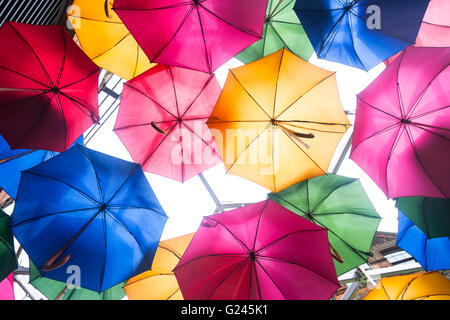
pixel 278 120
pixel 106 40
pixel 160 282
pixel 418 286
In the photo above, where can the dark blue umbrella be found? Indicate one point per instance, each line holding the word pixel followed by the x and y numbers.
pixel 13 161
pixel 91 212
pixel 431 254
pixel 360 33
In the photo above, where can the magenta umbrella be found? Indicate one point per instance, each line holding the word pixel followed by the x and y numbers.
pixel 260 251
pixel 194 34
pixel 7 288
pixel 402 128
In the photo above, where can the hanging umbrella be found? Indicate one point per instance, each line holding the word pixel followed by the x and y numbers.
pixel 196 34
pixel 7 254
pixel 358 33
pixel 105 39
pixel 340 205
pixel 417 286
pixel 260 251
pixel 162 121
pixel 160 282
pixel 12 162
pixel 274 127
pixel 91 210
pixel 402 133
pixel 282 29
pixel 431 254
pixel 57 290
pixel 48 87
pixel 7 288
pixel 431 215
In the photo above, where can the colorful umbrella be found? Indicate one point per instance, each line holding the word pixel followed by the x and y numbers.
pixel 402 133
pixel 431 215
pixel 431 254
pixel 7 254
pixel 260 251
pixel 105 39
pixel 358 33
pixel 162 121
pixel 274 127
pixel 418 286
pixel 435 28
pixel 160 283
pixel 7 288
pixel 87 209
pixel 12 162
pixel 195 34
pixel 340 205
pixel 48 88
pixel 57 290
pixel 282 29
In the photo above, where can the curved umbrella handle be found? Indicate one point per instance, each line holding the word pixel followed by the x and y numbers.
pixel 52 264
pixel 336 255
pixel 107 11
pixel 154 126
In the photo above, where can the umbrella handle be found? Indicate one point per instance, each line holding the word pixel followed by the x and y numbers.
pixel 107 11
pixel 52 265
pixel 154 126
pixel 336 255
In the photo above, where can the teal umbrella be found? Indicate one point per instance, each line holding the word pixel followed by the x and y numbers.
pixel 431 215
pixel 8 260
pixel 340 205
pixel 58 290
pixel 282 29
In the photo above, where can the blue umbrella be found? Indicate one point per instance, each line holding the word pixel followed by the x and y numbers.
pixel 13 161
pixel 94 214
pixel 431 254
pixel 360 33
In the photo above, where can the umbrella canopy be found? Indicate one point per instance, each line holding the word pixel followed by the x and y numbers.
pixel 340 205
pixel 195 34
pixel 431 254
pixel 418 286
pixel 274 127
pixel 435 28
pixel 91 210
pixel 105 39
pixel 7 288
pixel 162 121
pixel 282 29
pixel 160 283
pixel 48 88
pixel 402 133
pixel 260 251
pixel 431 215
pixel 57 290
pixel 13 162
pixel 7 254
pixel 357 33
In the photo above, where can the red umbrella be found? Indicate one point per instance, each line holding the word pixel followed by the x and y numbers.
pixel 48 87
pixel 162 121
pixel 260 251
pixel 195 34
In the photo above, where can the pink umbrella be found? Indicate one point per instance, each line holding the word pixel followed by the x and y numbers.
pixel 195 34
pixel 402 128
pixel 7 288
pixel 260 251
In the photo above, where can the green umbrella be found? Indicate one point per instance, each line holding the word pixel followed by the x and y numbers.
pixel 57 290
pixel 431 215
pixel 282 29
pixel 8 260
pixel 340 205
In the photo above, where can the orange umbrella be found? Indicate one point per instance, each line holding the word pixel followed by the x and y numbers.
pixel 278 120
pixel 160 282
pixel 106 40
pixel 418 286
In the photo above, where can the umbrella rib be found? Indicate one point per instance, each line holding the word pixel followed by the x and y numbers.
pixel 137 60
pixel 114 46
pixel 248 93
pixel 58 79
pixel 284 43
pixel 303 151
pixel 198 95
pixel 278 77
pixel 22 75
pixel 331 192
pixel 206 143
pixel 384 130
pixel 285 236
pixel 58 102
pixel 257 225
pixel 276 285
pixel 204 41
pixel 174 91
pixel 106 252
pixel 96 20
pixel 231 25
pixel 151 99
pixel 275 195
pixel 273 161
pixel 134 207
pixel 394 145
pixel 182 157
pixel 421 164
pixel 162 140
pixel 280 9
pixel 95 172
pixel 78 81
pixel 181 4
pixel 373 107
pixel 428 112
pixel 81 106
pixel 174 293
pixel 353 43
pixel 24 99
pixel 331 33
pixel 318 130
pixel 232 234
pixel 132 172
pixel 210 255
pixel 429 131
